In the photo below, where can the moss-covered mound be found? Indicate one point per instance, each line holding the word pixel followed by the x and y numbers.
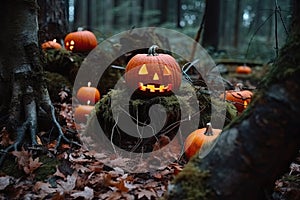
pixel 55 84
pixel 129 122
pixel 63 62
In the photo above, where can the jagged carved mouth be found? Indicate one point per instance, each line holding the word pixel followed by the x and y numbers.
pixel 155 87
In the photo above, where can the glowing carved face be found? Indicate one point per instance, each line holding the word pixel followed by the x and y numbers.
pixel 80 41
pixel 153 87
pixel 155 74
pixel 70 45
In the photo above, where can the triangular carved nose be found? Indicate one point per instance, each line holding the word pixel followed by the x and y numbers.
pixel 155 77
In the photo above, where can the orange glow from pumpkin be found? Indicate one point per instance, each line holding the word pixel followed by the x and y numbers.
pixel 71 45
pixel 245 104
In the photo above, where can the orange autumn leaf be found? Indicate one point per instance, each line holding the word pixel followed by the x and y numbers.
pixel 22 157
pixel 119 185
pixel 32 165
pixel 5 138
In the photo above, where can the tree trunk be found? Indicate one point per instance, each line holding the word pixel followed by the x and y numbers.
pixel 53 20
pixel 237 24
pixel 211 26
pixel 178 13
pixel 259 146
pixel 80 15
pixel 163 11
pixel 223 24
pixel 89 15
pixel 22 74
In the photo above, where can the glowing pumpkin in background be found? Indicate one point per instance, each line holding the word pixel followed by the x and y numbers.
pixel 153 73
pixel 88 93
pixel 82 112
pixel 240 98
pixel 198 138
pixel 80 41
pixel 243 69
pixel 51 45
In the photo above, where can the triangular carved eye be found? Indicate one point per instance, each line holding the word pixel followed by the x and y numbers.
pixel 143 70
pixel 166 71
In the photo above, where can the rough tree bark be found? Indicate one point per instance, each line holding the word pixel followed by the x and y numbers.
pixel 53 20
pixel 257 148
pixel 21 74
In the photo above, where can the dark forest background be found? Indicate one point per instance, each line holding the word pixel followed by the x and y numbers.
pixel 233 25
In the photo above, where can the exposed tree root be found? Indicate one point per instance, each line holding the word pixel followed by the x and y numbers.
pixel 29 97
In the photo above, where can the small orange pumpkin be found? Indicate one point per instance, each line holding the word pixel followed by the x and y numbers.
pixel 82 112
pixel 80 41
pixel 88 93
pixel 244 69
pixel 240 98
pixel 197 138
pixel 51 45
pixel 153 73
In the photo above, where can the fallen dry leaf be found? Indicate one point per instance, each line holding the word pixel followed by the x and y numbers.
pixel 4 182
pixel 22 157
pixel 68 185
pixel 59 174
pixel 115 185
pixel 146 193
pixel 32 165
pixel 43 189
pixel 88 193
pixel 5 138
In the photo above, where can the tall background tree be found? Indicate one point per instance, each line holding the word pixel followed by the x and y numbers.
pixel 258 148
pixel 53 20
pixel 211 25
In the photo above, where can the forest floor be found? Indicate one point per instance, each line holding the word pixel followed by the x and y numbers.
pixel 76 173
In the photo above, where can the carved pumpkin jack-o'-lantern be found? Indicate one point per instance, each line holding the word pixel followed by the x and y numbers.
pixel 240 98
pixel 153 73
pixel 51 45
pixel 80 41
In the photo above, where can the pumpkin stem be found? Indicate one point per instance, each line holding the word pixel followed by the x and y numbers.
pixel 238 87
pixel 152 50
pixel 208 131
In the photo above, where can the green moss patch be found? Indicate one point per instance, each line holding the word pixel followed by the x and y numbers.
pixel 191 183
